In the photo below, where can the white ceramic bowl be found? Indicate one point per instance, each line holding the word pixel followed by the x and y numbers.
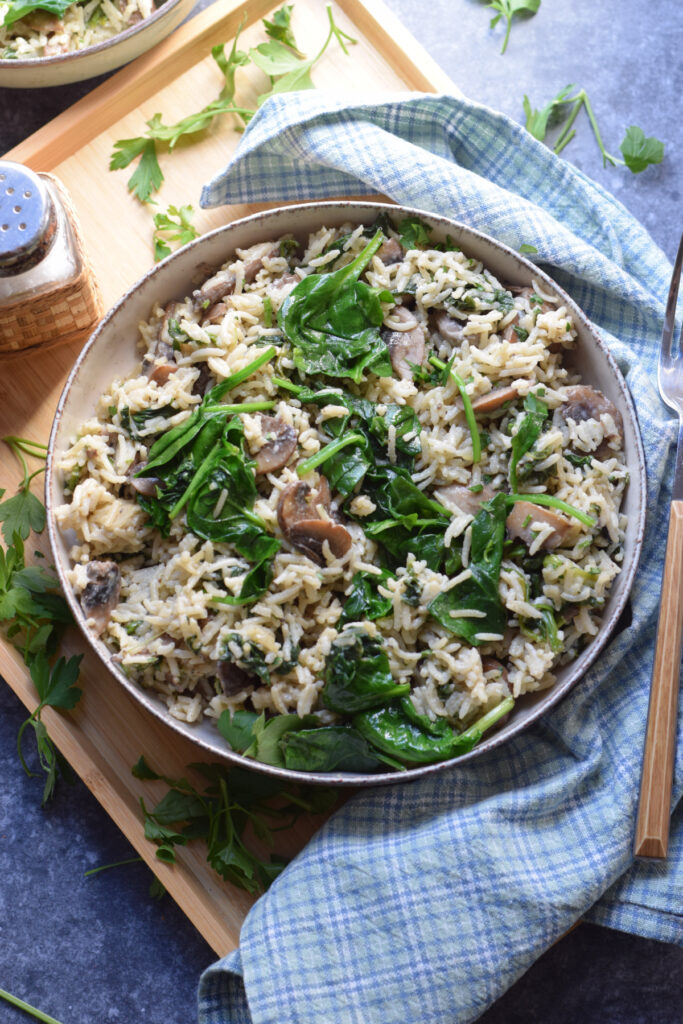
pixel 112 352
pixel 38 72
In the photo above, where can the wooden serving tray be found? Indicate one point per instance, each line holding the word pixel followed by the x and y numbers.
pixel 104 736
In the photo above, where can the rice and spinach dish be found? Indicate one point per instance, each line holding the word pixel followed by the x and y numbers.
pixel 353 503
pixel 50 27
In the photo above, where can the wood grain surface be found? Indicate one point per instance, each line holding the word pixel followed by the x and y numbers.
pixel 104 736
pixel 654 808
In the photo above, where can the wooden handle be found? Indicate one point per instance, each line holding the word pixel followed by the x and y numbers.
pixel 654 809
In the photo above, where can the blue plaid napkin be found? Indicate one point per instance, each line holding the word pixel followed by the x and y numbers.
pixel 425 901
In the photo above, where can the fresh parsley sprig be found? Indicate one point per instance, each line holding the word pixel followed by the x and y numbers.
pixel 638 150
pixel 234 805
pixel 281 59
pixel 33 614
pixel 507 9
pixel 175 225
pixel 27 1008
pixel 56 689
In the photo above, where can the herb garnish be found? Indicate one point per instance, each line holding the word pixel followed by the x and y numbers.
pixel 175 225
pixel 282 61
pixel 507 9
pixel 33 614
pixel 638 151
pixel 220 814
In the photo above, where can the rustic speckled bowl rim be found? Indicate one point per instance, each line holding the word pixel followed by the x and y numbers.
pixel 70 56
pixel 551 697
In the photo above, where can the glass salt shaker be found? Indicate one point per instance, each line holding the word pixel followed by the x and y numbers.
pixel 48 294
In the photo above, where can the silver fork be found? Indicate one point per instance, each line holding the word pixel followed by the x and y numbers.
pixel 654 807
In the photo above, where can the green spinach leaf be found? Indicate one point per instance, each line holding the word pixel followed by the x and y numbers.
pixel 527 434
pixel 357 674
pixel 333 322
pixel 480 591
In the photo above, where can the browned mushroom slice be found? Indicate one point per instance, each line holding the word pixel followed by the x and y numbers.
pixel 280 444
pixel 283 285
pixel 585 403
pixel 101 593
pixel 215 314
pixel 163 346
pixel 43 21
pixel 406 348
pixel 299 518
pixel 233 679
pixel 213 290
pixel 146 485
pixel 160 374
pixel 524 514
pixel 494 399
pixel 251 270
pixel 390 252
pixel 463 499
pixel 309 535
pixel 201 385
pixel 493 665
pixel 449 328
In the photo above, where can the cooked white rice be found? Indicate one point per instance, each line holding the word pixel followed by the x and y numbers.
pixel 43 34
pixel 168 632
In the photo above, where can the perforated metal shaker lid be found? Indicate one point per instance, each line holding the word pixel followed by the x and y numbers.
pixel 28 219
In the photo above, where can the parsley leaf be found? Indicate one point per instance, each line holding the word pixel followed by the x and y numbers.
pixel 288 71
pixel 220 815
pixel 507 9
pixel 33 614
pixel 173 226
pixel 280 27
pixel 537 120
pixel 21 514
pixel 526 248
pixel 638 151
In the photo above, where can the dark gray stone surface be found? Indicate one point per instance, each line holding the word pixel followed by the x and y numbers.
pixel 99 950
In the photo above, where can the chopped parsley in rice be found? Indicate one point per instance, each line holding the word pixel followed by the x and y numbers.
pixel 351 483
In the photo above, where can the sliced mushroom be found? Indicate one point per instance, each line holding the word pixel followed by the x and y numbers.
pixel 461 499
pixel 233 679
pixel 585 403
pixel 43 21
pixel 309 535
pixel 448 327
pixel 251 270
pixel 524 512
pixel 160 374
pixel 405 347
pixel 146 485
pixel 213 290
pixel 201 385
pixel 298 502
pixel 494 399
pixel 300 521
pixel 163 346
pixel 284 285
pixel 390 252
pixel 280 444
pixel 493 665
pixel 101 594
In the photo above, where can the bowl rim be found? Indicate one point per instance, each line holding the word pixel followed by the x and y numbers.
pixel 550 698
pixel 58 59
